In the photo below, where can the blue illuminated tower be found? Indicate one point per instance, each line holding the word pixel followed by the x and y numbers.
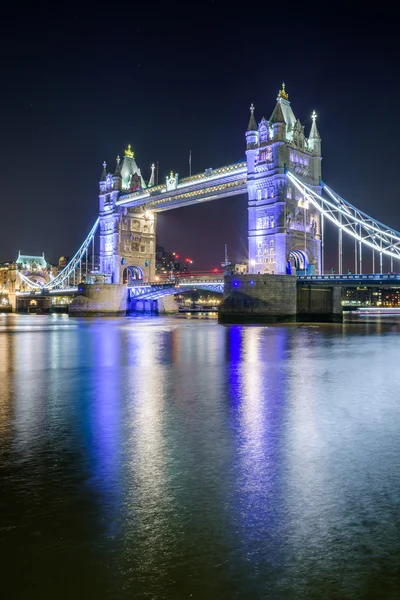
pixel 127 235
pixel 284 230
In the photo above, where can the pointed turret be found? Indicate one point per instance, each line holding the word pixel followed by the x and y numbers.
pixel 252 130
pixel 117 179
pixel 252 126
pixel 102 182
pixel 151 180
pixel 117 172
pixel 314 133
pixel 314 140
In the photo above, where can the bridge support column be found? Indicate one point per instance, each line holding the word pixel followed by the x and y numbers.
pixel 12 298
pixel 319 304
pixel 258 299
pixel 167 305
pixel 108 300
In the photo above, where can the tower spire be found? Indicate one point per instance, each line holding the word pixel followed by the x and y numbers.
pixel 104 173
pixel 151 180
pixel 117 172
pixel 252 126
pixel 314 133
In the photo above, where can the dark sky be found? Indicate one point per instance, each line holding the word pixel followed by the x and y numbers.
pixel 80 82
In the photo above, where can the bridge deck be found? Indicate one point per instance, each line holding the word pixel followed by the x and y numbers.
pixel 210 185
pixel 374 279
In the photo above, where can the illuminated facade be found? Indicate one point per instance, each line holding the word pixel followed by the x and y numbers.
pixel 284 230
pixel 127 234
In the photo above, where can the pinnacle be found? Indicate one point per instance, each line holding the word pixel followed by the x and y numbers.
pixel 314 133
pixel 104 173
pixel 117 172
pixel 252 126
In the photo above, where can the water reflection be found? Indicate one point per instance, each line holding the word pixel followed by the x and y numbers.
pixel 7 360
pixel 165 458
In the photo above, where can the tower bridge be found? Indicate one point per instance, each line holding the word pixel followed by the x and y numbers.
pixel 288 204
pixel 281 229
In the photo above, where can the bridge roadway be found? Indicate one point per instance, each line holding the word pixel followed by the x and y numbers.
pixel 156 290
pixel 351 280
pixel 209 185
pixel 159 289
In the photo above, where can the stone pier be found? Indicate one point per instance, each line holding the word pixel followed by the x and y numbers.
pixel 258 299
pixel 105 300
pixel 278 298
pixel 319 303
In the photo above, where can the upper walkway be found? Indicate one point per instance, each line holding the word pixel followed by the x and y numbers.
pixel 209 185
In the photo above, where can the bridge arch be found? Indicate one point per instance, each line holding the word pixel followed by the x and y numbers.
pixel 302 260
pixel 39 280
pixel 132 273
pixel 299 259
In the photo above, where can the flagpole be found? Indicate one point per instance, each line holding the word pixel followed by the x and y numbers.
pixel 190 163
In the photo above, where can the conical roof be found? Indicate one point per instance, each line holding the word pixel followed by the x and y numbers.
pixel 314 133
pixel 277 114
pixel 252 126
pixel 129 169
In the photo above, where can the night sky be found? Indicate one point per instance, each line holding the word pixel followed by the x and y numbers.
pixel 80 83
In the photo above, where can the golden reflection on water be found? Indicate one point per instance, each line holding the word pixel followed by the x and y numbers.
pixel 148 496
pixel 6 391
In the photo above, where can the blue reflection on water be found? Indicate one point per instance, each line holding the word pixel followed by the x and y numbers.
pixel 167 458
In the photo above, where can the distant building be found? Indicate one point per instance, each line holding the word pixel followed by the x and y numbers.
pixel 168 263
pixel 240 268
pixel 13 275
pixel 32 264
pixel 63 261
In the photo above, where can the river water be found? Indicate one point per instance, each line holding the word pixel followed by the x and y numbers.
pixel 170 458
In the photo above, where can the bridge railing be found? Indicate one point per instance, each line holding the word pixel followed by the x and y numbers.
pixel 350 277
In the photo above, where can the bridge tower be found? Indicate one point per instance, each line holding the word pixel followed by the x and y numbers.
pixel 284 230
pixel 127 235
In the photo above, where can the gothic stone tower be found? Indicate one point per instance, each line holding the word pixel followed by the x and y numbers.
pixel 127 235
pixel 284 231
